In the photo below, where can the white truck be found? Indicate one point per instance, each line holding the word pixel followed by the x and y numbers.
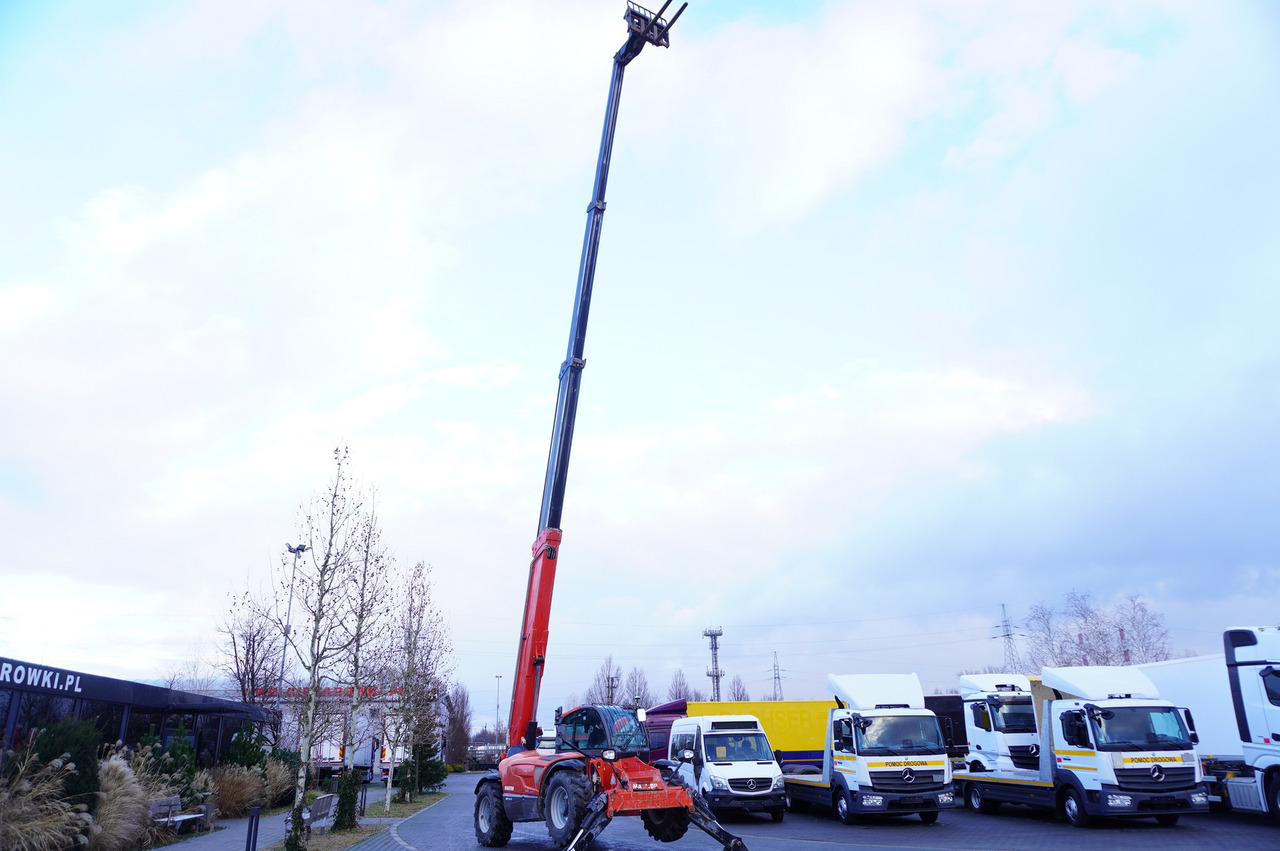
pixel 1000 722
pixel 882 752
pixel 732 764
pixel 1234 700
pixel 1108 746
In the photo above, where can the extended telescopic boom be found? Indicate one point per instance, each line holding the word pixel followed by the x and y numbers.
pixel 644 27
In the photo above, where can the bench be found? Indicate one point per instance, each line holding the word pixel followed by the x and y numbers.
pixel 318 811
pixel 168 812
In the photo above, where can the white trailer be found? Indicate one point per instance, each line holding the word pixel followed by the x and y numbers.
pixel 1109 745
pixel 1234 700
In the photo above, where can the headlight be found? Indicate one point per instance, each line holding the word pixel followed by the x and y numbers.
pixel 779 783
pixel 1199 798
pixel 1119 802
pixel 946 798
pixel 718 783
pixel 872 800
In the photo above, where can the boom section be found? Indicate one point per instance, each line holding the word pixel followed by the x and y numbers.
pixel 644 27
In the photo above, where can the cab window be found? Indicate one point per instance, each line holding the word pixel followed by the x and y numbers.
pixel 582 730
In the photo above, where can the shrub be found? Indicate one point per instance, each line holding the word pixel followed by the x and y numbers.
pixel 348 792
pixel 247 747
pixel 123 814
pixel 34 815
pixel 281 779
pixel 79 741
pixel 237 788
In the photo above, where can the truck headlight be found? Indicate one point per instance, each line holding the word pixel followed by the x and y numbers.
pixel 1198 798
pixel 779 783
pixel 1120 802
pixel 946 798
pixel 872 800
pixel 718 783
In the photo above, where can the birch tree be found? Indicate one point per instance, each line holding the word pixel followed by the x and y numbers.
pixel 321 604
pixel 414 669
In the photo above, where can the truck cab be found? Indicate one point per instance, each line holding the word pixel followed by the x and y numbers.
pixel 884 755
pixel 1000 722
pixel 1110 746
pixel 732 763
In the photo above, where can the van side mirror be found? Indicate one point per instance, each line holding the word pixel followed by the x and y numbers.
pixel 685 755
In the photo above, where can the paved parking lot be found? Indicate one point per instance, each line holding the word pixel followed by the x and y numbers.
pixel 447 827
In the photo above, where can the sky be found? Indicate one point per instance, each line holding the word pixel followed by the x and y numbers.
pixel 904 313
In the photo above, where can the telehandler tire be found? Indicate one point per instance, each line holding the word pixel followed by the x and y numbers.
pixel 493 828
pixel 568 794
pixel 666 825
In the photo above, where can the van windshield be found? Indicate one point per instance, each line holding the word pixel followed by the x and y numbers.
pixel 900 734
pixel 736 747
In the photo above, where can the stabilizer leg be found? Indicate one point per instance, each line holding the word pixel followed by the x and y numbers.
pixel 593 823
pixel 706 821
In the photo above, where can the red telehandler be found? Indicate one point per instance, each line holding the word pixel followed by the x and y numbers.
pixel 596 770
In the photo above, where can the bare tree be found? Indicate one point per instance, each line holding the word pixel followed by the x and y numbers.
pixel 330 526
pixel 414 671
pixel 370 600
pixel 192 674
pixel 249 648
pixel 738 689
pixel 1084 632
pixel 636 689
pixel 605 685
pixel 457 704
pixel 679 689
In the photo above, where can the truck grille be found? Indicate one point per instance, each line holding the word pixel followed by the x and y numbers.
pixel 751 785
pixel 894 781
pixel 1023 757
pixel 1141 779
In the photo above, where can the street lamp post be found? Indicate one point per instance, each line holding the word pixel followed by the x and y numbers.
pixel 497 711
pixel 288 617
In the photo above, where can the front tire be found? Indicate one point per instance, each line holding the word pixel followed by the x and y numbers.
pixel 929 816
pixel 1073 809
pixel 493 828
pixel 665 825
pixel 1273 798
pixel 568 794
pixel 778 813
pixel 843 805
pixel 1167 819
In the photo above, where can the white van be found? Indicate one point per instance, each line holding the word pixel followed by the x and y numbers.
pixel 732 765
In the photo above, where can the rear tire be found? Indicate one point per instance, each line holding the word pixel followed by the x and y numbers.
pixel 567 797
pixel 1167 820
pixel 977 801
pixel 1073 809
pixel 493 828
pixel 666 825
pixel 842 803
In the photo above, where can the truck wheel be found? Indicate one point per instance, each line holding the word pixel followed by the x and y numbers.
pixel 1167 819
pixel 929 816
pixel 843 804
pixel 977 802
pixel 666 825
pixel 777 813
pixel 1073 809
pixel 794 805
pixel 566 806
pixel 493 828
pixel 1273 798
